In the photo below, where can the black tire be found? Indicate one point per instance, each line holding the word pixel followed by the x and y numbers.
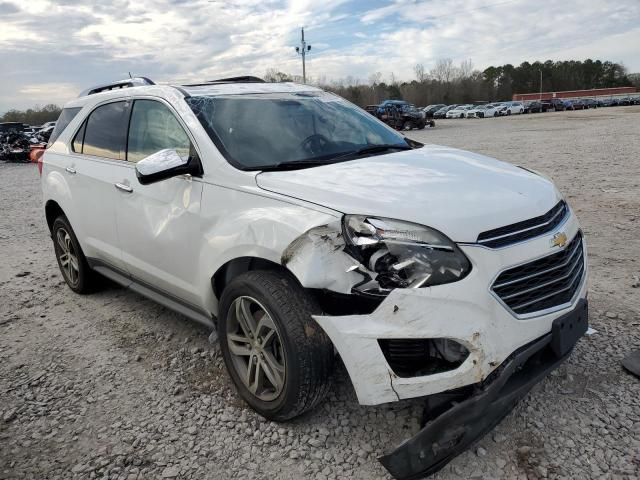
pixel 86 279
pixel 421 125
pixel 508 112
pixel 307 350
pixel 408 125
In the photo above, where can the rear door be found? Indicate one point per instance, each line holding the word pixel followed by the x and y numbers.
pixel 159 223
pixel 96 163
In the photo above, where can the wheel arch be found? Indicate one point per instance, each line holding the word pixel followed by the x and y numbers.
pixel 239 265
pixel 52 211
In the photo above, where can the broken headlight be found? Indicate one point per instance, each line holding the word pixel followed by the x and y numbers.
pixel 402 254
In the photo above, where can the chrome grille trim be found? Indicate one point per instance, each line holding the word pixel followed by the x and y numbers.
pixel 535 287
pixel 527 277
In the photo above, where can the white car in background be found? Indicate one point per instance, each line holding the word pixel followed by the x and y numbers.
pixel 482 111
pixel 302 229
pixel 513 108
pixel 460 111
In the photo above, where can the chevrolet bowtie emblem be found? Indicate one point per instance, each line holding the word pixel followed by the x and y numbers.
pixel 559 240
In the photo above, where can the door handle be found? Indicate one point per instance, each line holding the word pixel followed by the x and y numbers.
pixel 123 187
pixel 70 170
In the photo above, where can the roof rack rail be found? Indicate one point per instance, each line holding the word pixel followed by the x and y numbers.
pixel 241 79
pixel 126 83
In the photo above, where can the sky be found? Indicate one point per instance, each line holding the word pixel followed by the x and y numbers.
pixel 50 50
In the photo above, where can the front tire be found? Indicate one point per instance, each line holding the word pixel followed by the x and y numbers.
pixel 72 262
pixel 277 356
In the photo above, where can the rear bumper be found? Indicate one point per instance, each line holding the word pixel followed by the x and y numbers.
pixel 449 433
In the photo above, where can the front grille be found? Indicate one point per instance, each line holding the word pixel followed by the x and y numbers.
pixel 517 232
pixel 544 283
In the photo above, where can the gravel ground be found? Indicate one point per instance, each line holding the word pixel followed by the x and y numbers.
pixel 112 385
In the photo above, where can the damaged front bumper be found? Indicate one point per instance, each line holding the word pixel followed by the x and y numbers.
pixel 451 430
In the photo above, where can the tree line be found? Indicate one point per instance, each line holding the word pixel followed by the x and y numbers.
pixel 446 83
pixel 449 83
pixel 33 116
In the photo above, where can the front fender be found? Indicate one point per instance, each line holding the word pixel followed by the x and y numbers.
pixel 248 225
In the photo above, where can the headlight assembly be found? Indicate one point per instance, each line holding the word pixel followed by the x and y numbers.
pixel 402 254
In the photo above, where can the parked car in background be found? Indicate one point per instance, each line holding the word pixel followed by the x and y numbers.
pixel 580 104
pixel 459 112
pixel 514 108
pixel 402 115
pixel 482 111
pixel 442 113
pixel 372 109
pixel 430 110
pixel 533 106
pixel 557 104
pixel 625 101
pixel 590 103
pixel 500 107
pixel 304 232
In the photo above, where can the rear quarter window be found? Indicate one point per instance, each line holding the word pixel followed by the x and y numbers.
pixel 65 118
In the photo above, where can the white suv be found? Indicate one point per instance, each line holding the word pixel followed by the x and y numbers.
pixel 514 108
pixel 300 228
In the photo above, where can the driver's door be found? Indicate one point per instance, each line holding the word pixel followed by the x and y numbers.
pixel 159 224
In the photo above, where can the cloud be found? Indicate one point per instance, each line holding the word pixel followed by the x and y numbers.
pixel 65 46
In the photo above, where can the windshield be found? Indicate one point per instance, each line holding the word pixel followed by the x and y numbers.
pixel 257 131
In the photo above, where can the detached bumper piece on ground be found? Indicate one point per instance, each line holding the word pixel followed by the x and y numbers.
pixel 457 419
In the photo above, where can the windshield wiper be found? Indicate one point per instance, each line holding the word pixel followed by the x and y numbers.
pixel 294 164
pixel 315 162
pixel 371 149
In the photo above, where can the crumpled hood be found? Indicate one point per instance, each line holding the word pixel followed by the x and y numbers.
pixel 456 192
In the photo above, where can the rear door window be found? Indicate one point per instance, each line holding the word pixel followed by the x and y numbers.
pixel 106 131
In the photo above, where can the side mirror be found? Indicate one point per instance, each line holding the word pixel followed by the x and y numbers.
pixel 165 164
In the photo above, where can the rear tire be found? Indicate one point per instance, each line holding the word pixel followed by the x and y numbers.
pixel 266 329
pixel 71 260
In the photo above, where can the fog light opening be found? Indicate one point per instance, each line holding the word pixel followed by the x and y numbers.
pixel 416 357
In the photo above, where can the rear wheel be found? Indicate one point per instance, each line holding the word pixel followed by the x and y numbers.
pixel 72 262
pixel 407 125
pixel 277 356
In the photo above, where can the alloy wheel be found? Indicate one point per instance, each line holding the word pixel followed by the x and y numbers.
pixel 256 348
pixel 67 256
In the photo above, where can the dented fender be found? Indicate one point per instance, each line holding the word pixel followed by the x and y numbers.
pixel 318 260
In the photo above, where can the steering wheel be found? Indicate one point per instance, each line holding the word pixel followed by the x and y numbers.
pixel 315 143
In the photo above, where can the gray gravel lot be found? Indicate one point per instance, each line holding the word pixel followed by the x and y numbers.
pixel 112 385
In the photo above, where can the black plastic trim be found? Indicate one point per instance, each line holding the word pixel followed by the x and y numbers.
pixel 153 293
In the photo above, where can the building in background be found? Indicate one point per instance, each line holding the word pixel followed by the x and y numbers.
pixel 594 92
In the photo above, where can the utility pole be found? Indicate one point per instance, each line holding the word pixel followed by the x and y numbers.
pixel 540 84
pixel 302 50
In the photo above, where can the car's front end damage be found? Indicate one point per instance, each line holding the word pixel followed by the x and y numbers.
pixel 481 334
pixel 456 269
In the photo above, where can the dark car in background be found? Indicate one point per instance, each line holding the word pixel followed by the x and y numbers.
pixel 557 104
pixel 533 106
pixel 578 104
pixel 372 109
pixel 590 103
pixel 430 110
pixel 442 113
